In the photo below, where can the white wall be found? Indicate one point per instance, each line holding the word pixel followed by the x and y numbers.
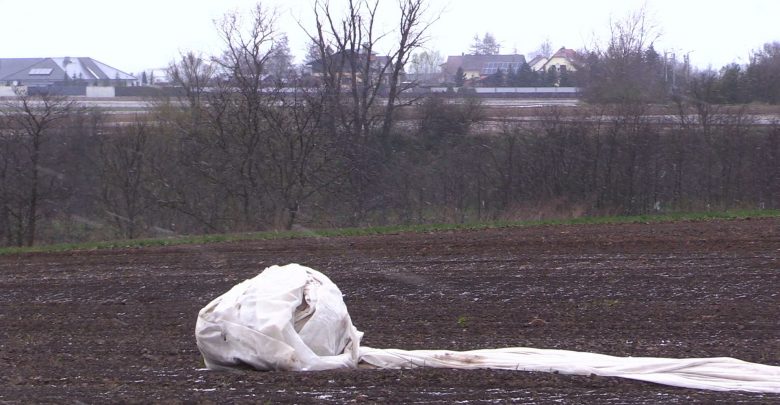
pixel 7 91
pixel 95 91
pixel 523 90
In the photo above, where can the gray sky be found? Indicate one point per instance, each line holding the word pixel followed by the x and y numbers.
pixel 141 34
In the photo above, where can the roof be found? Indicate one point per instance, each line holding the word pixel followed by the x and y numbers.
pixel 27 70
pixel 478 62
pixel 570 54
pixel 537 59
pixel 343 58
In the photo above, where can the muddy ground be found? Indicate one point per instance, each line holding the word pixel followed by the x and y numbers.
pixel 117 326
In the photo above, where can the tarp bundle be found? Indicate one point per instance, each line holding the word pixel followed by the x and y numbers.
pixel 294 318
pixel 286 318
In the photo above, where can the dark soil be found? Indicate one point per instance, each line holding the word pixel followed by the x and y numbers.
pixel 117 326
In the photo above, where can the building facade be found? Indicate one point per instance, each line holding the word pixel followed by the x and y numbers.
pixel 563 60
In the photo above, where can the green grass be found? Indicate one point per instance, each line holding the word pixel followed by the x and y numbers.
pixel 387 230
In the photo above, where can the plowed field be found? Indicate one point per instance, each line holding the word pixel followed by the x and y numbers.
pixel 117 325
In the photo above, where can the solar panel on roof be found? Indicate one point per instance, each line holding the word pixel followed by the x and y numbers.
pixel 41 71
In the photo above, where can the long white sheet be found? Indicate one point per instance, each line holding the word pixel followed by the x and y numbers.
pixel 294 318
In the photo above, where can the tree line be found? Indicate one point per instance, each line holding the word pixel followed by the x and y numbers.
pixel 223 169
pixel 642 75
pixel 627 68
pixel 237 152
pixel 524 76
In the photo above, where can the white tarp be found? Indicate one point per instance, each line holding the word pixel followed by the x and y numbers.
pixel 286 318
pixel 294 318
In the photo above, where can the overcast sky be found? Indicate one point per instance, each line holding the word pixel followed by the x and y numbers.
pixel 141 34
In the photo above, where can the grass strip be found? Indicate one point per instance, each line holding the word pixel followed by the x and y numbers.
pixel 388 230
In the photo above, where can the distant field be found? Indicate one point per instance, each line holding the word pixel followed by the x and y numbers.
pixel 126 109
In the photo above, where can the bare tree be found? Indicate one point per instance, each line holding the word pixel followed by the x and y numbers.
pixel 28 123
pixel 124 176
pixel 625 68
pixel 248 46
pixel 356 76
pixel 257 153
pixel 632 35
pixel 412 31
pixel 237 126
pixel 425 62
pixel 299 163
pixel 193 74
pixel 348 59
pixel 544 49
pixel 8 153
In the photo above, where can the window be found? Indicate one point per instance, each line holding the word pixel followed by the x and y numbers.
pixel 41 71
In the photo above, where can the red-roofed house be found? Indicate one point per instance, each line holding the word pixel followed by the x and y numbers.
pixel 563 60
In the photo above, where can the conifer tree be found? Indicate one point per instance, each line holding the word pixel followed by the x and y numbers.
pixel 460 77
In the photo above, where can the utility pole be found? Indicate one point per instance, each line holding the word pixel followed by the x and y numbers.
pixel 688 65
pixel 669 89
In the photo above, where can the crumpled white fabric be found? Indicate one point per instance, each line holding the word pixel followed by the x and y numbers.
pixel 294 318
pixel 286 318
